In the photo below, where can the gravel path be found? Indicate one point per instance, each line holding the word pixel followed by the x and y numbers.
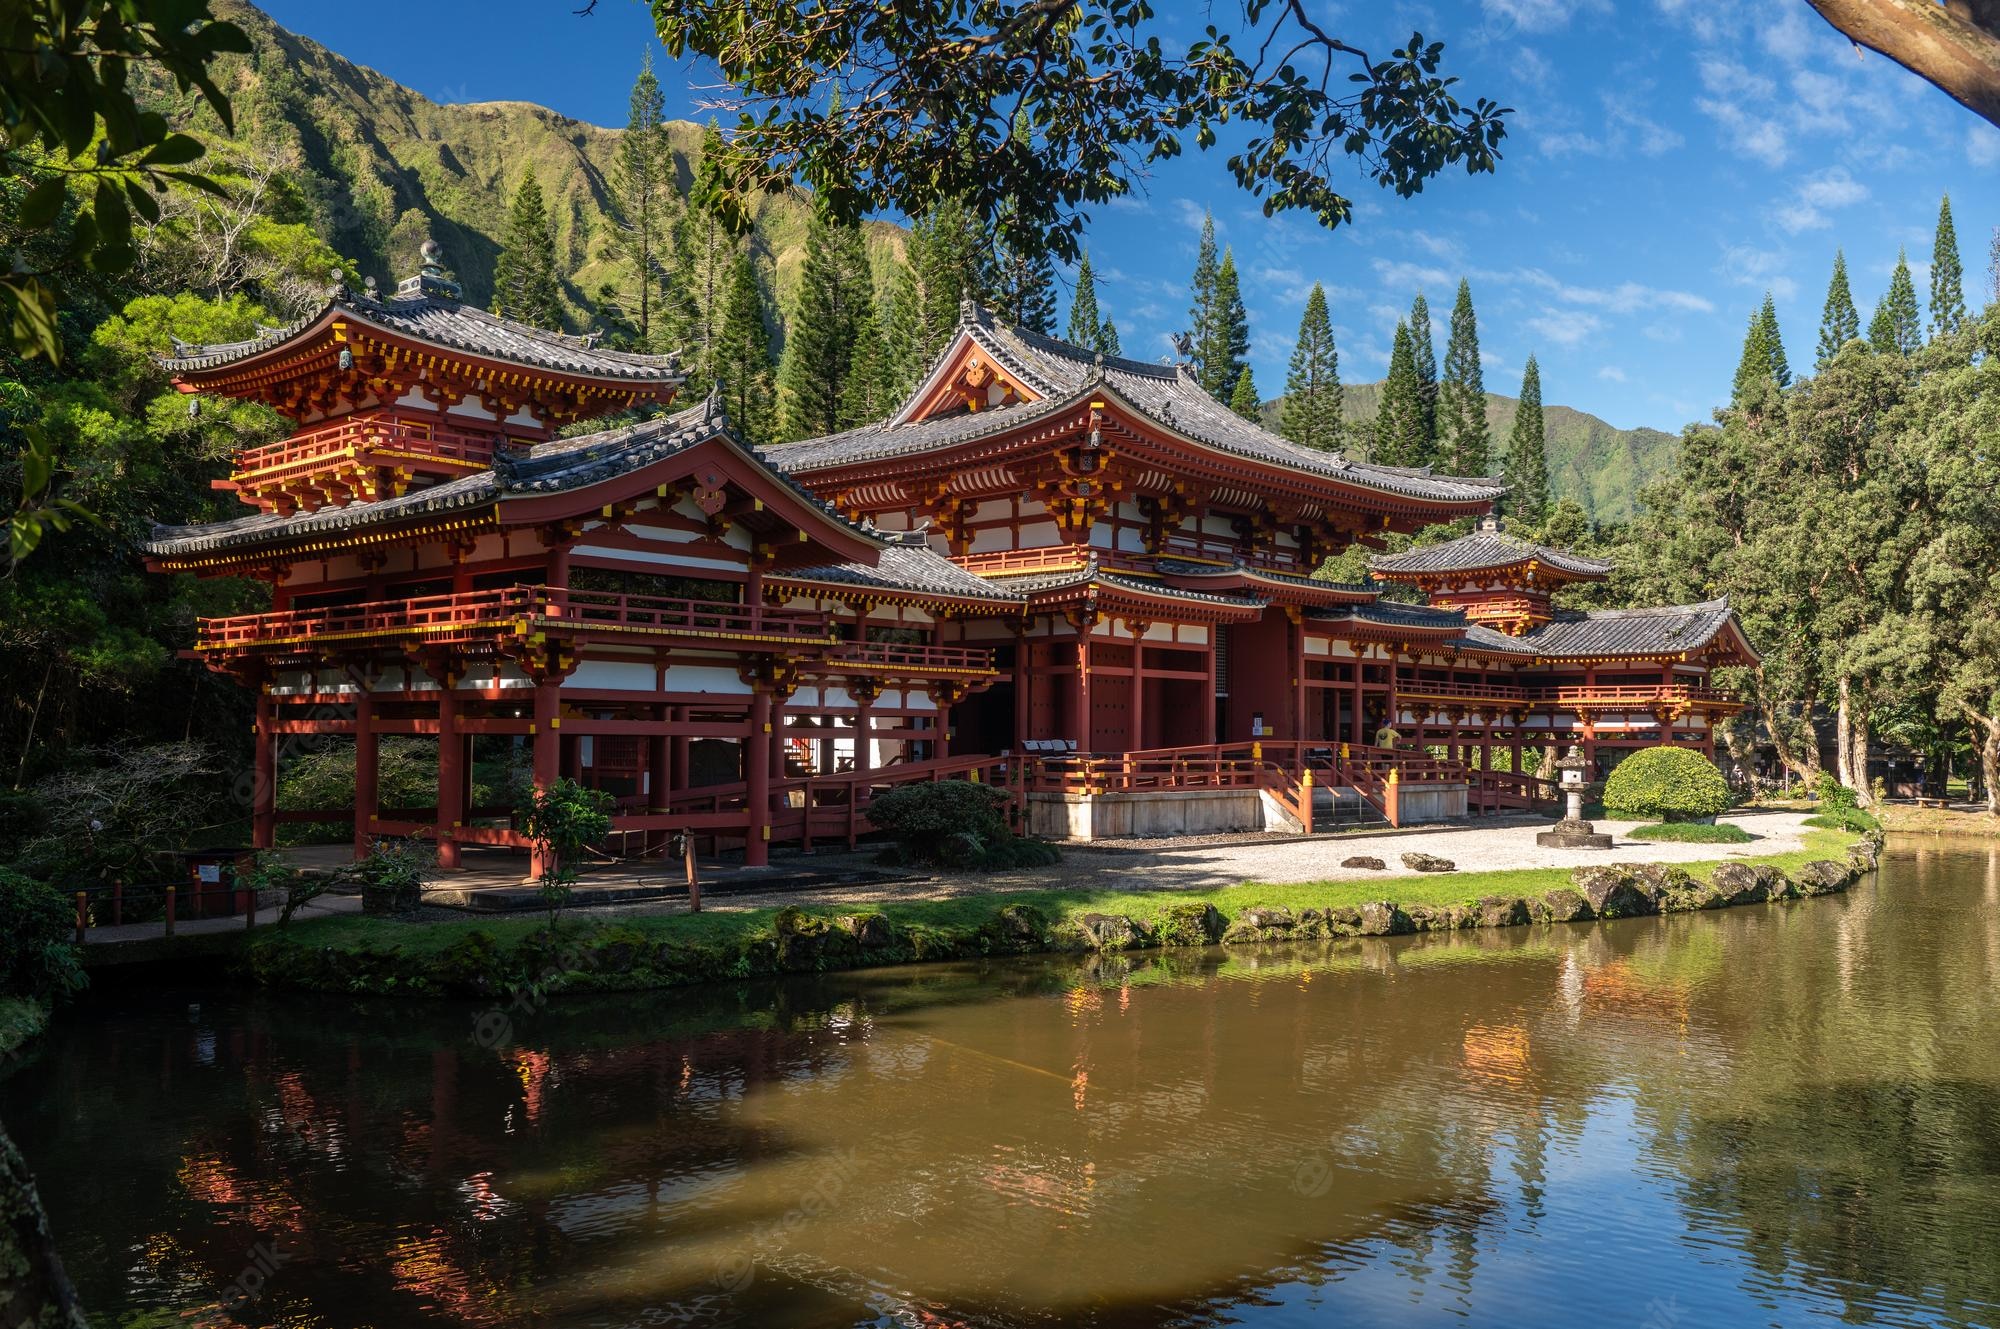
pixel 1475 848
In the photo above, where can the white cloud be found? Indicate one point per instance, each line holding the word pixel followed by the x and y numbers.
pixel 1503 16
pixel 1759 269
pixel 1439 246
pixel 1624 298
pixel 1565 327
pixel 1817 195
pixel 1414 276
pixel 1788 37
pixel 1753 135
pixel 1982 144
pixel 1192 214
pixel 1611 374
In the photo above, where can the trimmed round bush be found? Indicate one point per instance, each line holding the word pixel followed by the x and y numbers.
pixel 1666 784
pixel 36 957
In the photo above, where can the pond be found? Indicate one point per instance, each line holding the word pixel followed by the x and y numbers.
pixel 1769 1115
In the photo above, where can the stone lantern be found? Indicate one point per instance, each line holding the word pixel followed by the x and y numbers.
pixel 1573 832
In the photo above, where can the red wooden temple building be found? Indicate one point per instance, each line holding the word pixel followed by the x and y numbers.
pixel 1082 577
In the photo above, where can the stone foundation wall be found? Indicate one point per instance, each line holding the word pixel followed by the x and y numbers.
pixel 1148 814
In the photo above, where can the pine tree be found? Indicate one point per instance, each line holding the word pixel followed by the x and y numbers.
pixel 1462 431
pixel 1527 451
pixel 1204 314
pixel 1231 346
pixel 1243 398
pixel 1084 328
pixel 642 199
pixel 1897 326
pixel 1947 276
pixel 525 285
pixel 1427 369
pixel 743 353
pixel 1024 289
pixel 1763 359
pixel 699 255
pixel 947 254
pixel 1841 322
pixel 1108 339
pixel 902 332
pixel 832 331
pixel 1399 419
pixel 1781 367
pixel 1311 415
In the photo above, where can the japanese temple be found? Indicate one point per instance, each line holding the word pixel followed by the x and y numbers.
pixel 1077 577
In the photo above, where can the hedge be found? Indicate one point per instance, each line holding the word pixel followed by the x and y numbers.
pixel 1666 784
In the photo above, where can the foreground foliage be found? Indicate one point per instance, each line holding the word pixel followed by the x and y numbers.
pixel 954 824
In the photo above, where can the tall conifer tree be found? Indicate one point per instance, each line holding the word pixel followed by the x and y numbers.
pixel 1897 326
pixel 1947 276
pixel 1399 418
pixel 902 331
pixel 1222 360
pixel 1311 414
pixel 1087 329
pixel 947 254
pixel 1108 339
pixel 1243 399
pixel 1425 348
pixel 1763 359
pixel 1024 289
pixel 743 353
pixel 829 340
pixel 1840 323
pixel 1462 431
pixel 1527 451
pixel 642 199
pixel 525 285
pixel 1205 312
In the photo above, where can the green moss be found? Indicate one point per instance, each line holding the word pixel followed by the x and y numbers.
pixel 22 1019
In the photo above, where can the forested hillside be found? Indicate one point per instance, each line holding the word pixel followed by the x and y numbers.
pixel 384 166
pixel 1599 465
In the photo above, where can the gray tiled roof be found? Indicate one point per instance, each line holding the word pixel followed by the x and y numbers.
pixel 1486 549
pixel 1061 374
pixel 1392 613
pixel 908 567
pixel 1035 583
pixel 1174 567
pixel 1667 629
pixel 569 463
pixel 445 322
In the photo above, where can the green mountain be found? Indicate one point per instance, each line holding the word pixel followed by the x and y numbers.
pixel 1600 466
pixel 382 165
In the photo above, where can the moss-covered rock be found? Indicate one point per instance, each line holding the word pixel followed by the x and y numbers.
pixel 1561 905
pixel 1823 877
pixel 1502 911
pixel 1260 923
pixel 1416 862
pixel 1191 923
pixel 1613 892
pixel 1384 918
pixel 1112 932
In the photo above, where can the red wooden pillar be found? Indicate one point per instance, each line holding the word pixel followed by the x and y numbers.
pixel 757 781
pixel 677 746
pixel 451 778
pixel 1080 693
pixel 545 746
pixel 659 778
pixel 558 573
pixel 942 725
pixel 1138 734
pixel 1392 716
pixel 864 728
pixel 264 780
pixel 1357 732
pixel 1208 717
pixel 1023 681
pixel 367 752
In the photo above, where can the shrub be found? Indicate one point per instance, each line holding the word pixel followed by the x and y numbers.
pixel 954 824
pixel 1832 794
pixel 1693 832
pixel 37 958
pixel 1844 819
pixel 564 822
pixel 1666 784
pixel 392 875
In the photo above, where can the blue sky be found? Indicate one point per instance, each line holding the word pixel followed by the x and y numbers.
pixel 1668 162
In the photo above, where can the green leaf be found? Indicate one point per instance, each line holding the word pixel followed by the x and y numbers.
pixel 43 203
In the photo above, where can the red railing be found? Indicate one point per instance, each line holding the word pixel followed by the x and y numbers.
pixel 1603 694
pixel 370 433
pixel 440 616
pixel 913 658
pixel 1042 558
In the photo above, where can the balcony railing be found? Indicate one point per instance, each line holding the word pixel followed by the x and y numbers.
pixel 369 433
pixel 912 658
pixel 1601 694
pixel 469 613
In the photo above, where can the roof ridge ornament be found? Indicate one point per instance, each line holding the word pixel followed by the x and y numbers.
pixel 968 310
pixel 430 281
